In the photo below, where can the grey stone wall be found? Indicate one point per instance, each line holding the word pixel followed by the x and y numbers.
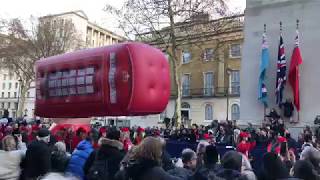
pixel 271 12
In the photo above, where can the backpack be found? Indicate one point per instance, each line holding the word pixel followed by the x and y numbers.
pixel 99 170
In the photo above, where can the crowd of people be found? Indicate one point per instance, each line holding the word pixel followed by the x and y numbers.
pixel 30 152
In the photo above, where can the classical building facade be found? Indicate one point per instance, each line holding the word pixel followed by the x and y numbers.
pixel 210 69
pixel 90 33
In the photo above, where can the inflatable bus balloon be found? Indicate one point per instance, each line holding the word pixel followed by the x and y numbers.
pixel 129 79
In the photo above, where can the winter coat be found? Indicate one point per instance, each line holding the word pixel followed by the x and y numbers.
pixel 79 158
pixel 229 174
pixel 206 171
pixel 112 152
pixel 10 162
pixel 181 172
pixel 59 161
pixel 144 169
pixel 37 161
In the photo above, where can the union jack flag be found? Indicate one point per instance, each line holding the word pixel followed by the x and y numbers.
pixel 281 72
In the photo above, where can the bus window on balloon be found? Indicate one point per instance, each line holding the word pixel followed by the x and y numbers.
pixel 71 82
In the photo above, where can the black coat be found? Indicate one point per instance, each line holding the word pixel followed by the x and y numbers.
pixel 37 161
pixel 59 161
pixel 111 151
pixel 143 169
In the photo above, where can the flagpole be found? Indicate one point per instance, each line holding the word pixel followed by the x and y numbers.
pixel 299 75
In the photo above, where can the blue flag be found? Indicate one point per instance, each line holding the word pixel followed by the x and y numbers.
pixel 262 88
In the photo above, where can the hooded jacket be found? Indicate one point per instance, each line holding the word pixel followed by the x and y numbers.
pixel 79 158
pixel 111 151
pixel 144 169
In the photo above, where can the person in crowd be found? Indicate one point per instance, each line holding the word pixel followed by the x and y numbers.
pixel 80 136
pixel 274 146
pixel 307 141
pixel 312 155
pixel 107 158
pixel 38 156
pixel 103 132
pixel 304 170
pixel 144 162
pixel 244 146
pixel 287 156
pixel 201 149
pixel 59 157
pixel 139 136
pixel 262 139
pixel 231 166
pixel 11 156
pixel 272 168
pixel 125 139
pixel 79 158
pixel 246 169
pixel 292 143
pixel 167 163
pixel 189 160
pixel 210 166
pixel 223 137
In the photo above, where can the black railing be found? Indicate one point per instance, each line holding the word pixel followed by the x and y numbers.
pixel 208 92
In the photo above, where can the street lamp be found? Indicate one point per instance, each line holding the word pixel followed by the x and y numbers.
pixel 228 70
pixel 19 90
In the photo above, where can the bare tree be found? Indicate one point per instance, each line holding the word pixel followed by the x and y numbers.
pixel 170 24
pixel 23 43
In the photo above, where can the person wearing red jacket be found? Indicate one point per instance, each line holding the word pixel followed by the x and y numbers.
pixel 125 139
pixel 139 137
pixel 275 146
pixel 80 135
pixel 244 146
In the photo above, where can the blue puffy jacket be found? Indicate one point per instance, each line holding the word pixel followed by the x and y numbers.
pixel 79 158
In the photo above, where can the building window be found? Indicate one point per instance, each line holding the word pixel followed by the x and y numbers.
pixel 235 112
pixel 16 105
pixel 2 105
pixel 208 54
pixel 4 77
pixel 208 112
pixel 235 82
pixel 3 86
pixel 9 105
pixel 186 85
pixel 2 94
pixel 13 114
pixel 8 94
pixel 185 105
pixel 28 94
pixel 10 85
pixel 15 94
pixel 186 56
pixel 235 50
pixel 208 84
pixel 16 85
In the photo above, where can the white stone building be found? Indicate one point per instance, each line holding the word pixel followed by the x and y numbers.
pixel 91 33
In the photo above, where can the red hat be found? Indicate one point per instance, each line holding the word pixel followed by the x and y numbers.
pixel 102 130
pixel 140 129
pixel 206 136
pixel 282 139
pixel 244 135
pixel 35 128
pixel 124 129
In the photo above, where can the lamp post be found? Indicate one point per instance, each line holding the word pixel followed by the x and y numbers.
pixel 227 93
pixel 19 89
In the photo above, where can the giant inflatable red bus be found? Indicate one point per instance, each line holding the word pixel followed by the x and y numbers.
pixel 124 79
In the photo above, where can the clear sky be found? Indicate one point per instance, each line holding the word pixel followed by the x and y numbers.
pixel 93 8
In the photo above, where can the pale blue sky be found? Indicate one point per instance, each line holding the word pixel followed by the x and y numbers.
pixel 93 8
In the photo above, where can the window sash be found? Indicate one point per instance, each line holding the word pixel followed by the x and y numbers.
pixel 186 57
pixel 235 50
pixel 208 54
pixel 208 112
